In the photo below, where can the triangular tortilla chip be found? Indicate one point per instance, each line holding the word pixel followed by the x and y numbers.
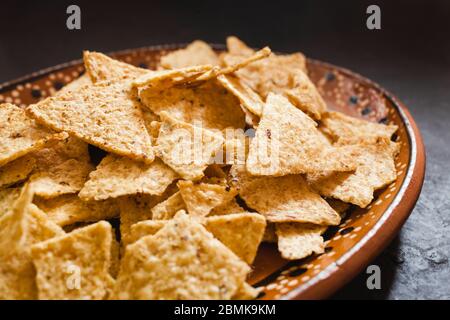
pixel 76 84
pixel 69 209
pixel 283 199
pixel 249 99
pixel 236 46
pixel 185 148
pixel 76 265
pixel 349 130
pixel 209 105
pixel 376 169
pixel 201 198
pixel 16 170
pixel 65 178
pixel 100 67
pixel 288 142
pixel 241 232
pixel 195 54
pixel 20 135
pixel 168 208
pixel 106 115
pixel 299 240
pixel 118 176
pixel 179 262
pixel 23 226
pixel 163 79
pixel 270 235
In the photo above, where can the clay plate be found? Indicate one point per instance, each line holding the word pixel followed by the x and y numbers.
pixel 361 236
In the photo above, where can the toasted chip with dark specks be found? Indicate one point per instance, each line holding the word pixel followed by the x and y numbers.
pixel 68 209
pixel 65 178
pixel 118 176
pixel 16 170
pixel 248 98
pixel 349 130
pixel 195 54
pixel 208 105
pixel 201 198
pixel 20 135
pixel 376 169
pixel 100 67
pixel 299 240
pixel 180 262
pixel 21 227
pixel 284 199
pixel 285 131
pixel 241 232
pixel 168 208
pixel 86 253
pixel 106 115
pixel 178 148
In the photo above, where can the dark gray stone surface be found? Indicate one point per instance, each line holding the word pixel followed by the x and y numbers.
pixel 410 57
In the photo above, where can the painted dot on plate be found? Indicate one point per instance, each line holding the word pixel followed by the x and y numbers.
pixel 20 87
pixel 284 281
pixel 143 65
pixel 58 85
pixel 36 93
pixel 292 283
pixel 297 272
pixel 346 230
pixel 383 120
pixel 305 278
pixel 353 100
pixel 388 196
pixel 328 249
pixel 260 295
pixel 366 111
pixel 8 100
pixel 271 286
pixel 330 76
pixel 17 101
pixel 15 93
pixel 284 290
pixel 28 85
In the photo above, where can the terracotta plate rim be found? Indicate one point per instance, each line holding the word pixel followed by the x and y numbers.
pixel 338 273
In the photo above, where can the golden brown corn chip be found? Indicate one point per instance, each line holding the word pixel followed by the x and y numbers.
pixel 16 170
pixel 195 54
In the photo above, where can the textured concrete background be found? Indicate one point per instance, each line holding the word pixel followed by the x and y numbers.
pixel 410 56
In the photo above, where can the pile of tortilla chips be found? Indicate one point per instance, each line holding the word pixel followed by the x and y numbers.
pixel 206 158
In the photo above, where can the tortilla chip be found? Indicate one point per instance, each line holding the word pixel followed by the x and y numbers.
pixel 65 178
pixel 20 135
pixel 249 99
pixel 106 115
pixel 304 95
pixel 84 252
pixel 246 292
pixel 75 84
pixel 227 208
pixel 285 131
pixel 118 176
pixel 236 46
pixel 185 148
pixel 69 209
pixel 23 226
pixel 180 262
pixel 142 229
pixel 100 67
pixel 376 169
pixel 241 233
pixel 283 199
pixel 339 206
pixel 201 198
pixel 299 240
pixel 137 208
pixel 8 197
pixel 163 79
pixel 195 54
pixel 16 170
pixel 167 209
pixel 349 130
